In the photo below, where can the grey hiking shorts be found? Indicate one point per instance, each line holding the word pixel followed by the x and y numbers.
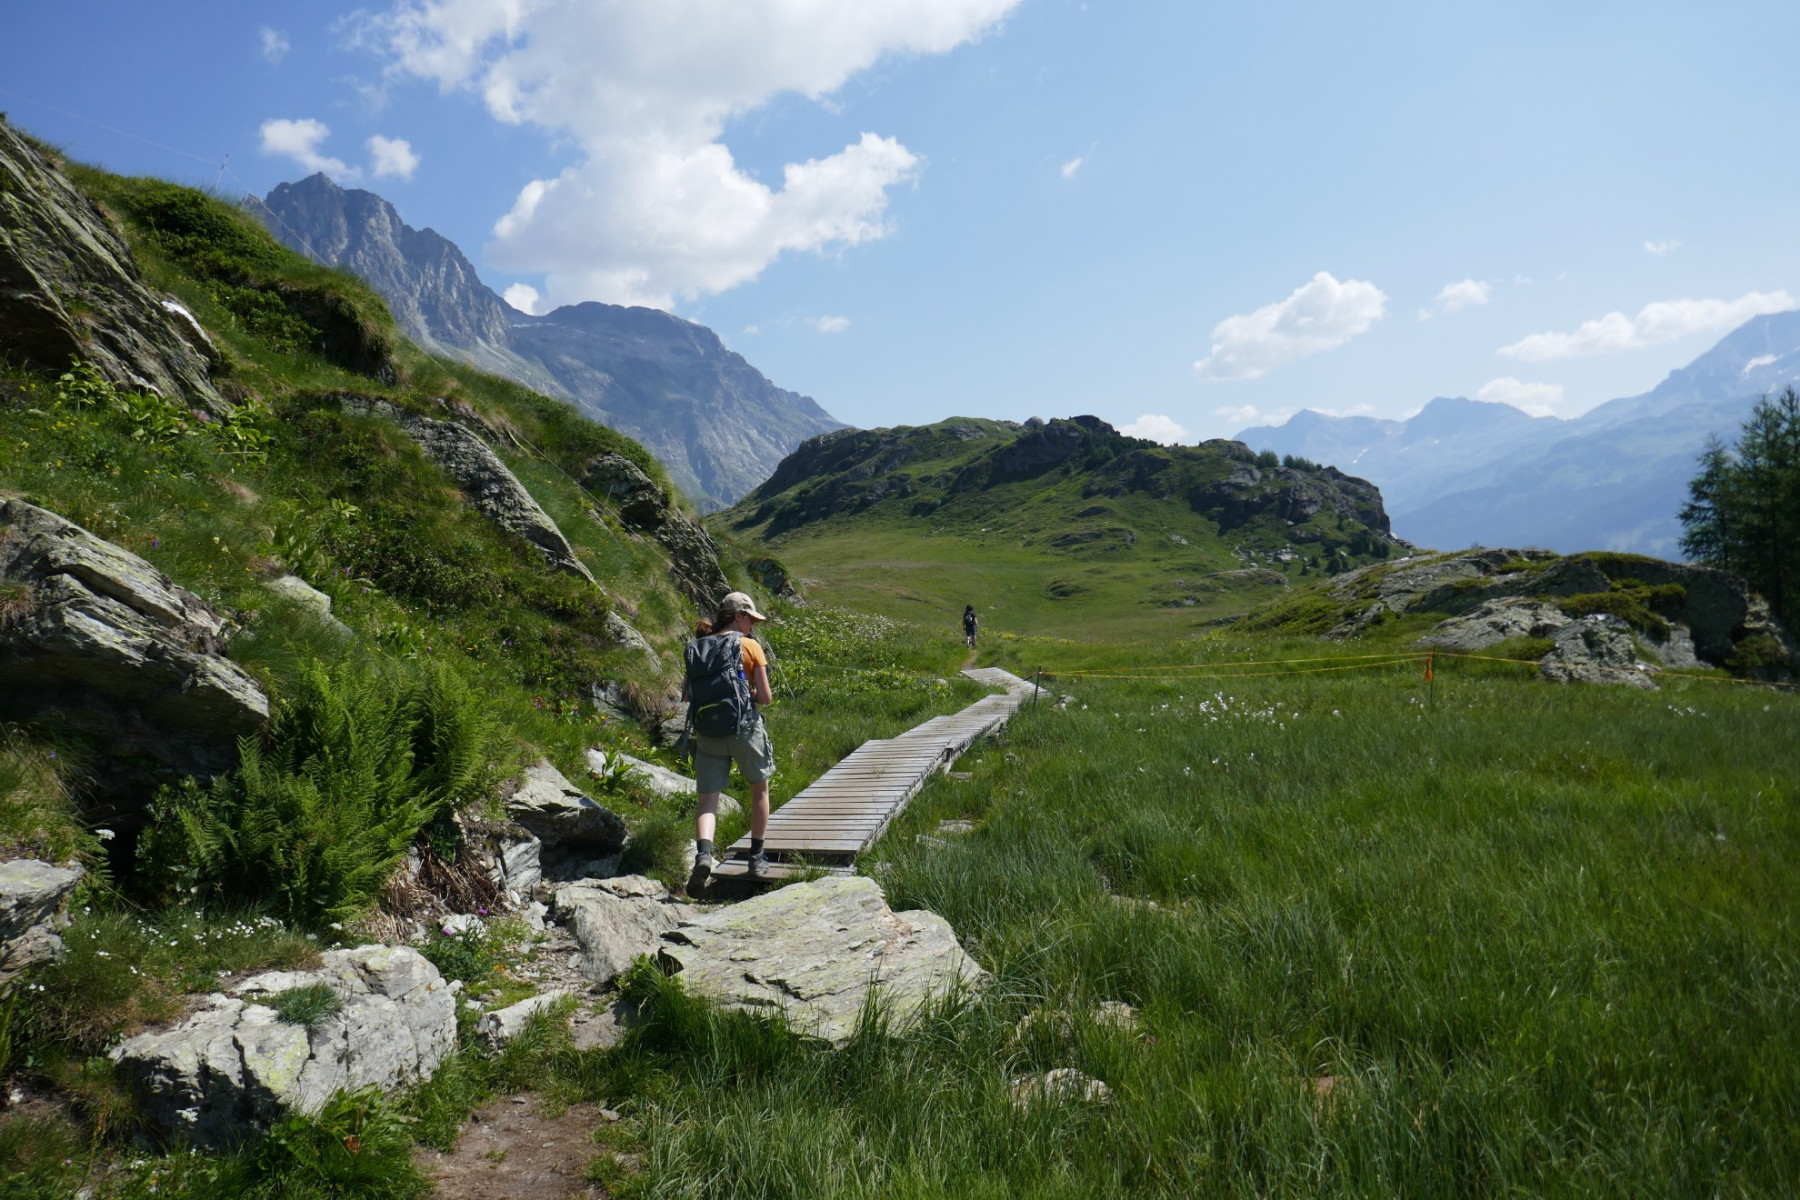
pixel 713 757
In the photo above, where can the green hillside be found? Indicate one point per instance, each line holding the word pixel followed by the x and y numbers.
pixel 1066 527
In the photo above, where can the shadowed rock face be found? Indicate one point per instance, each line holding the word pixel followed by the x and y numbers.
pixel 97 638
pixel 69 287
pixel 693 557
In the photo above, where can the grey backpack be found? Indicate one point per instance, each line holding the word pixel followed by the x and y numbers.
pixel 718 692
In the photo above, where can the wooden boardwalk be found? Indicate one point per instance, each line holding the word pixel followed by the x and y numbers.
pixel 839 814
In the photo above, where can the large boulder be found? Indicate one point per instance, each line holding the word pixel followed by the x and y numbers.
pixel 618 919
pixel 98 638
pixel 562 815
pixel 643 506
pixel 70 287
pixel 232 1065
pixel 1596 649
pixel 813 952
pixel 1496 621
pixel 32 898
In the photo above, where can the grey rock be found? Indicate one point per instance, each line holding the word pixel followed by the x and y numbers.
pixel 301 594
pixel 775 579
pixel 617 920
pixel 814 951
pixel 1496 621
pixel 231 1066
pixel 504 1024
pixel 70 287
pixel 1059 1085
pixel 562 815
pixel 1596 649
pixel 659 778
pixel 489 484
pixel 643 506
pixel 109 645
pixel 1676 650
pixel 628 638
pixel 603 1027
pixel 32 896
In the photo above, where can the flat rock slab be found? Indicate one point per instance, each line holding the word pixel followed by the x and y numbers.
pixel 813 952
pixel 231 1066
pixel 616 920
pixel 562 815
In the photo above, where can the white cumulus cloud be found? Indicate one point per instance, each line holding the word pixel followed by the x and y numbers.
pixel 830 324
pixel 1157 428
pixel 1663 247
pixel 1538 399
pixel 392 157
pixel 1249 414
pixel 300 140
pixel 1453 297
pixel 1073 165
pixel 656 208
pixel 1320 315
pixel 274 44
pixel 1664 321
pixel 523 297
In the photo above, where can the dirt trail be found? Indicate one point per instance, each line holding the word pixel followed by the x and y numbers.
pixel 510 1151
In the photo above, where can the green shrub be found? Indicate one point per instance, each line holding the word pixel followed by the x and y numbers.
pixel 1757 653
pixel 308 1005
pixel 322 809
pixel 1626 604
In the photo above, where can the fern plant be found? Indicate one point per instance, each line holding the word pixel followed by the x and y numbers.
pixel 322 809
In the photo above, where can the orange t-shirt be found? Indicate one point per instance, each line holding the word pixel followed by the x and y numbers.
pixel 754 655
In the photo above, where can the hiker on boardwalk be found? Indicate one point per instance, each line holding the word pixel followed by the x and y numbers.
pixel 727 681
pixel 970 625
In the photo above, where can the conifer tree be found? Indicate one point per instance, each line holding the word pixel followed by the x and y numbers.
pixel 1743 510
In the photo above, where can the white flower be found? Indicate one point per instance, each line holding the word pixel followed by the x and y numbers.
pixel 105 835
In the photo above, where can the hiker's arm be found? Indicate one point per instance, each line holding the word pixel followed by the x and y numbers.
pixel 759 686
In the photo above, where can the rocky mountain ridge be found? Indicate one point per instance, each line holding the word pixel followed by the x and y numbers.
pixel 714 421
pixel 1463 472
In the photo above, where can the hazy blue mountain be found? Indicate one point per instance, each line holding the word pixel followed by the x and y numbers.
pixel 712 418
pixel 1462 472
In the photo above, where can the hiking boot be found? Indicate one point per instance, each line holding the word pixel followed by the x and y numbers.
pixel 703 869
pixel 757 865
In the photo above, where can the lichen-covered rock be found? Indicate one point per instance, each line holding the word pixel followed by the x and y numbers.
pixel 616 920
pixel 1596 649
pixel 642 505
pixel 296 591
pixel 504 1024
pixel 70 287
pixel 562 815
pixel 1496 621
pixel 32 896
pixel 627 638
pixel 109 645
pixel 1059 1085
pixel 232 1065
pixel 813 952
pixel 491 487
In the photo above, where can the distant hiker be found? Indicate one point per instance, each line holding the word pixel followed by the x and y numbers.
pixel 970 625
pixel 727 679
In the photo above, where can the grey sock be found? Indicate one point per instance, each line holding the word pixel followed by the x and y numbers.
pixel 756 845
pixel 704 845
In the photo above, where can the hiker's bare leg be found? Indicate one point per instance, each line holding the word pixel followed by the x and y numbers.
pixel 759 810
pixel 708 814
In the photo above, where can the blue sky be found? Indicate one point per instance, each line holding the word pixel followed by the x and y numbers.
pixel 910 209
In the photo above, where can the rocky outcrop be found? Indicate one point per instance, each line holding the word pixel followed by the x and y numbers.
pixel 69 287
pixel 564 817
pixel 296 591
pixel 775 579
pixel 813 952
pixel 1596 649
pixel 1496 621
pixel 32 899
pixel 617 920
pixel 491 487
pixel 232 1065
pixel 647 508
pixel 98 639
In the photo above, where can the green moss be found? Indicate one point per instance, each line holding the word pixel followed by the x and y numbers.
pixel 1628 605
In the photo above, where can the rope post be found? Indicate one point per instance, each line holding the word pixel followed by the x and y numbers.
pixel 1037 685
pixel 1430 678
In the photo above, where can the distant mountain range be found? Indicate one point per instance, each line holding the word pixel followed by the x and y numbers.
pixel 713 419
pixel 1462 472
